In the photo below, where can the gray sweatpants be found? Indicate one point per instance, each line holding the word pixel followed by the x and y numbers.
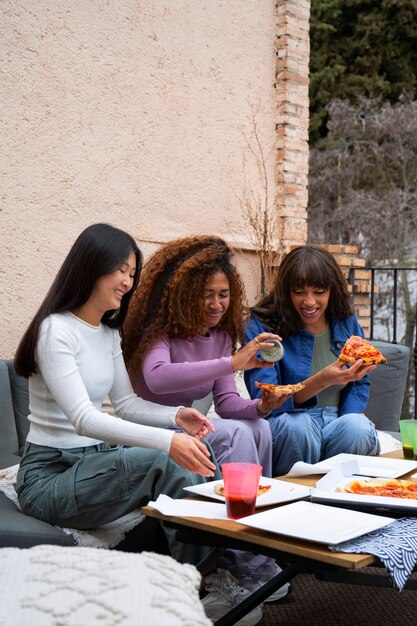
pixel 242 441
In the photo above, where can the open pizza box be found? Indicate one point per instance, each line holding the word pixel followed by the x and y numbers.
pixel 327 492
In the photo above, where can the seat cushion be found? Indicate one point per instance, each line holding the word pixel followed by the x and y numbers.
pixel 21 531
pixel 203 405
pixel 8 434
pixel 20 396
pixel 388 385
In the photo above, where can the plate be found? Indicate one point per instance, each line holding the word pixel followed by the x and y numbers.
pixel 368 466
pixel 330 494
pixel 281 491
pixel 385 504
pixel 315 522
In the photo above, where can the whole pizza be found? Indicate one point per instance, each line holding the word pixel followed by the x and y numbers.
pixel 357 348
pixel 390 488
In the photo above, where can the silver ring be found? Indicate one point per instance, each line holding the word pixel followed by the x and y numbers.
pixel 257 340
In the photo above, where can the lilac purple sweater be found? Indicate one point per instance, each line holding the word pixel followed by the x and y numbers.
pixel 180 371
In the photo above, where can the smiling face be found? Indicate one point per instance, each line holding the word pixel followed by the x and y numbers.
pixel 311 304
pixel 215 300
pixel 108 291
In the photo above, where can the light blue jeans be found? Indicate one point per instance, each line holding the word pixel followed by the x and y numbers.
pixel 319 434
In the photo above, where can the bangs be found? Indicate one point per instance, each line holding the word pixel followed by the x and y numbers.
pixel 311 271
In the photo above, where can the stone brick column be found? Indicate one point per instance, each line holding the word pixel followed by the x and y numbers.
pixel 292 120
pixel 292 125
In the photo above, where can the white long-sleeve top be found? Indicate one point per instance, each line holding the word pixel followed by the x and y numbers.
pixel 79 366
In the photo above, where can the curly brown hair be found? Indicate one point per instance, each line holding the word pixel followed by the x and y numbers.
pixel 308 265
pixel 171 285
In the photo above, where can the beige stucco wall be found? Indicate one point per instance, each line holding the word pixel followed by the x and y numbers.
pixel 134 113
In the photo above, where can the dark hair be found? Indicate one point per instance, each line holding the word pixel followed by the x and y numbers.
pixel 171 285
pixel 99 250
pixel 311 266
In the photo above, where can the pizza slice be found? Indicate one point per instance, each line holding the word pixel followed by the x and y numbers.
pixel 262 489
pixel 357 348
pixel 280 389
pixel 390 488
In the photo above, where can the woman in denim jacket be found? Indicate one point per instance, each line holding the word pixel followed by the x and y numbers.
pixel 309 308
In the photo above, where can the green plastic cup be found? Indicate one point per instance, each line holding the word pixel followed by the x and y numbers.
pixel 408 430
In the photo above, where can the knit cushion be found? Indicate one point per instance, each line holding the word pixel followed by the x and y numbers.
pixel 49 585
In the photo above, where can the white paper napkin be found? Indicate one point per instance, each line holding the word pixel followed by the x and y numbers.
pixel 189 508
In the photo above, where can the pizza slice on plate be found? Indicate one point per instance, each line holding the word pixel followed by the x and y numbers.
pixel 357 348
pixel 280 389
pixel 262 489
pixel 391 488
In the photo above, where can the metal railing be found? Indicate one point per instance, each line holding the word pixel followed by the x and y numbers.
pixel 395 271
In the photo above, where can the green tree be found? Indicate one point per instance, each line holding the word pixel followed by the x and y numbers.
pixel 360 48
pixel 363 191
pixel 363 187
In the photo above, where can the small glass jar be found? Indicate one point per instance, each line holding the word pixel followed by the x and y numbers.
pixel 273 353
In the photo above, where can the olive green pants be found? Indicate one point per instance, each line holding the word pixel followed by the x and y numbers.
pixel 85 488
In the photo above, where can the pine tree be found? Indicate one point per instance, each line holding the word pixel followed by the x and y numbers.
pixel 360 48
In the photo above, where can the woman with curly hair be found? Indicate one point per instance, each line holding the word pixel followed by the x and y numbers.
pixel 309 307
pixel 180 344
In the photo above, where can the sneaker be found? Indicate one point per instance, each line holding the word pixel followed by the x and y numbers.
pixel 279 594
pixel 224 593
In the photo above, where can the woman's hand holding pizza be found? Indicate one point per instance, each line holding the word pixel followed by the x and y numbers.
pixel 246 359
pixel 338 374
pixel 270 401
pixel 273 396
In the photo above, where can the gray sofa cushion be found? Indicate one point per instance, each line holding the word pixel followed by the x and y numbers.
pixel 16 529
pixel 387 386
pixel 21 531
pixel 20 397
pixel 7 459
pixel 203 405
pixel 8 435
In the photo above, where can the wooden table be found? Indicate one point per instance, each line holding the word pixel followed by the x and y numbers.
pixel 294 555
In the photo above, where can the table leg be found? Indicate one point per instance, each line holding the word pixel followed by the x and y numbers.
pixel 258 596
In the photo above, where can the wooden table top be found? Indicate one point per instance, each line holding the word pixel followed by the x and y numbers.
pixel 305 549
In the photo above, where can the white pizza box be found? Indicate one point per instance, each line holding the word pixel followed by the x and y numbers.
pixel 378 466
pixel 325 493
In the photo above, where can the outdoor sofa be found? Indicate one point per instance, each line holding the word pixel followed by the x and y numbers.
pixel 22 531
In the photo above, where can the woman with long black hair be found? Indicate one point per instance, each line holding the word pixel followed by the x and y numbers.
pixel 82 467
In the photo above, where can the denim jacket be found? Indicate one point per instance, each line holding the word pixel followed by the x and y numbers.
pixel 296 364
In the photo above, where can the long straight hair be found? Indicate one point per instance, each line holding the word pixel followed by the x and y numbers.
pixel 311 266
pixel 99 250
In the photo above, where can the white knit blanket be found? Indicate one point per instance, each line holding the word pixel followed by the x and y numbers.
pixel 59 586
pixel 106 536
